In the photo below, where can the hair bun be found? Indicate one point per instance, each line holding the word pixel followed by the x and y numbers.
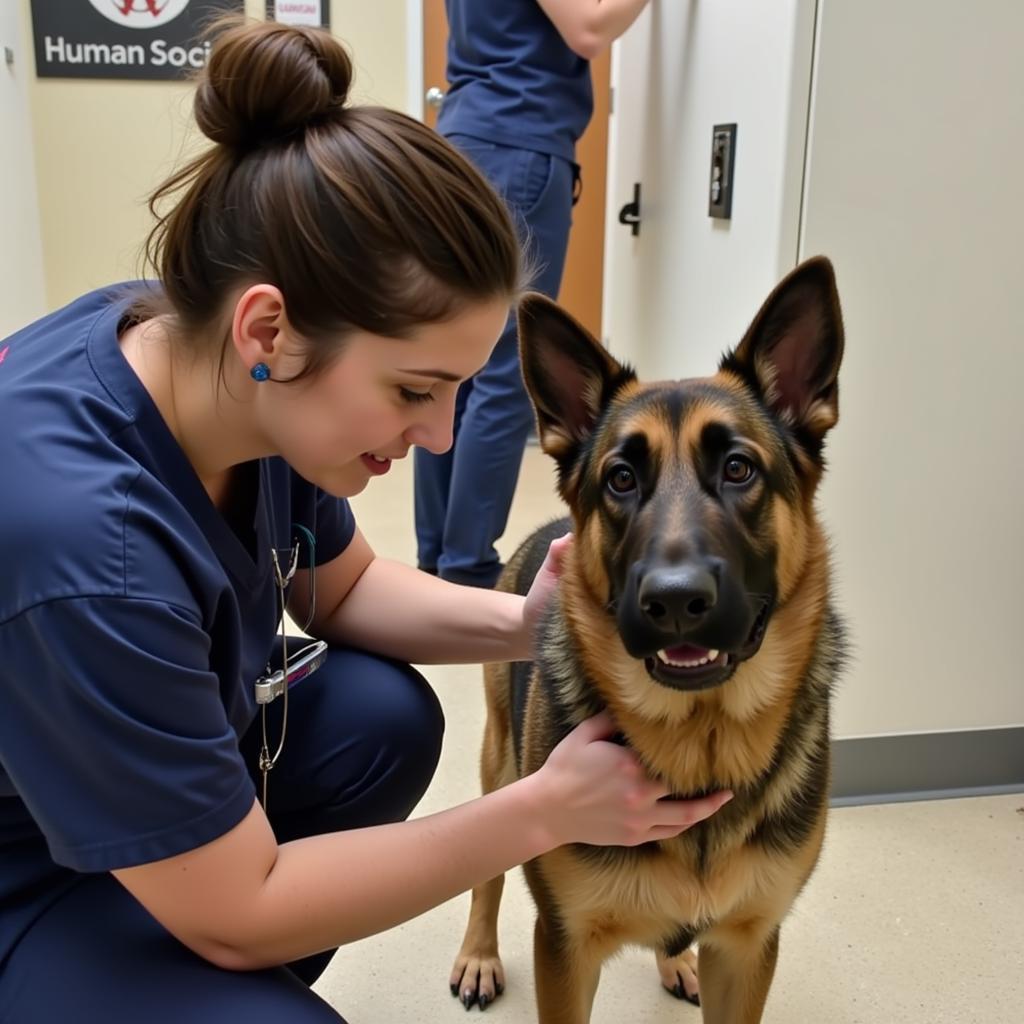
pixel 265 82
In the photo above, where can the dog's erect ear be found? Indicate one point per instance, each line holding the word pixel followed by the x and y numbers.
pixel 791 354
pixel 568 373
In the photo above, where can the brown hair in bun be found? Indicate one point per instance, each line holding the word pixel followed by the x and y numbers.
pixel 266 82
pixel 364 218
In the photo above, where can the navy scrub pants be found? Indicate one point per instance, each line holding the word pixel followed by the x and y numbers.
pixel 463 496
pixel 364 738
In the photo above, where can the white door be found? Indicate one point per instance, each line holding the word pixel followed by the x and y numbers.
pixel 686 287
pixel 21 259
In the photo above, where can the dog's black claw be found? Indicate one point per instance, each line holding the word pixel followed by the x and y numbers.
pixel 498 988
pixel 484 1002
pixel 454 986
pixel 468 998
pixel 680 993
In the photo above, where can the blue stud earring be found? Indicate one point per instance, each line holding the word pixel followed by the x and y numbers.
pixel 260 372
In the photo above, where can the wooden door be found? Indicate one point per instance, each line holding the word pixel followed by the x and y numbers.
pixel 582 280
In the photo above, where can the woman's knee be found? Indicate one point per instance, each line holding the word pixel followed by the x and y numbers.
pixel 411 721
pixel 363 741
pixel 398 724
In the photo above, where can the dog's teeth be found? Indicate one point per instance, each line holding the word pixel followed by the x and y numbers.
pixel 696 663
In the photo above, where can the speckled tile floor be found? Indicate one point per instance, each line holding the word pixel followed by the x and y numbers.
pixel 914 916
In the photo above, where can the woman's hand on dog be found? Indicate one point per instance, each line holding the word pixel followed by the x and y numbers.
pixel 543 587
pixel 598 793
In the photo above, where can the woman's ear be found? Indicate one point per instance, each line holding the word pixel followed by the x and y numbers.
pixel 258 325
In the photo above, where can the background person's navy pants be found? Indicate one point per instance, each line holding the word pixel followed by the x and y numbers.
pixel 463 496
pixel 364 737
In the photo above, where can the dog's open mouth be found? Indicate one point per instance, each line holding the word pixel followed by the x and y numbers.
pixel 690 667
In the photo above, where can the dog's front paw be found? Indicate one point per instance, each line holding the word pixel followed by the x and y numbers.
pixel 679 975
pixel 477 978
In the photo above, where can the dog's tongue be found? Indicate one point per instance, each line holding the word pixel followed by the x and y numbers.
pixel 686 652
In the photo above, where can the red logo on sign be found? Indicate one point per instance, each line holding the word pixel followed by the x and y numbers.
pixel 141 14
pixel 153 6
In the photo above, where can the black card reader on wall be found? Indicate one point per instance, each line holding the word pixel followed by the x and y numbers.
pixel 723 161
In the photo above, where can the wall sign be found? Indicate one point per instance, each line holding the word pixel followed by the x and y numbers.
pixel 122 38
pixel 300 12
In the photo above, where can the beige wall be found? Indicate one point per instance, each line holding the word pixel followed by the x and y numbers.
pixel 21 257
pixel 101 146
pixel 914 190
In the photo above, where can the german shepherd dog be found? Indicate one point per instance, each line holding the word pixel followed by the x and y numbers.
pixel 694 606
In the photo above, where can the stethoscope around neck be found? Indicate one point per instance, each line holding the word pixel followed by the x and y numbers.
pixel 274 684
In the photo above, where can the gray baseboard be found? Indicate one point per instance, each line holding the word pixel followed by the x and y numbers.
pixel 927 766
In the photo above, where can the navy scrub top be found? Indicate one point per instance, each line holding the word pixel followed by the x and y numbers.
pixel 513 80
pixel 133 620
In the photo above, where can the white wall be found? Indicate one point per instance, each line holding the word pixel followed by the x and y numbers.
pixel 688 286
pixel 21 256
pixel 914 188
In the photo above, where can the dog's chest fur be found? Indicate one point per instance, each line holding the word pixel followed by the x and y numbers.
pixel 662 895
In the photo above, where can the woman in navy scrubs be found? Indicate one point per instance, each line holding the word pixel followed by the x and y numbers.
pixel 176 459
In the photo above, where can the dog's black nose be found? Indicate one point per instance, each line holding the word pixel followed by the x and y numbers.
pixel 678 598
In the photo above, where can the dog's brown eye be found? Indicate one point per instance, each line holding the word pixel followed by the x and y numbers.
pixel 621 480
pixel 738 470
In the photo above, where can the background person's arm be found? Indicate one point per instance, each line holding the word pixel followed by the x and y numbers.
pixel 589 27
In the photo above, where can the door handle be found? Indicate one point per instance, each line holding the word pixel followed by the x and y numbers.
pixel 434 97
pixel 630 213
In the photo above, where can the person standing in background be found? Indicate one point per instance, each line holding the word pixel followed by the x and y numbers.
pixel 520 97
